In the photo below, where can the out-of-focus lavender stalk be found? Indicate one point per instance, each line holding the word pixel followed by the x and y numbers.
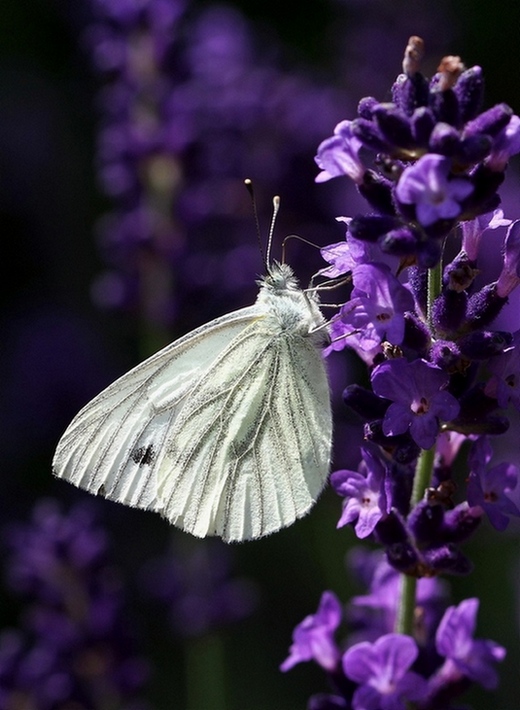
pixel 74 647
pixel 188 110
pixel 200 596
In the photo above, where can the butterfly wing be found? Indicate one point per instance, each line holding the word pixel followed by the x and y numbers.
pixel 250 450
pixel 225 432
pixel 115 444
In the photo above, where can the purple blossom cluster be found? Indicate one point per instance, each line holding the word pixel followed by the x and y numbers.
pixel 421 315
pixel 73 647
pixel 376 668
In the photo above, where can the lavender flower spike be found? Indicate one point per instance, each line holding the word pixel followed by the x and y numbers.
pixel 313 638
pixel 419 399
pixel 382 670
pixel 425 184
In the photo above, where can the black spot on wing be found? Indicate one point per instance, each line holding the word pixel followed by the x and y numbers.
pixel 143 455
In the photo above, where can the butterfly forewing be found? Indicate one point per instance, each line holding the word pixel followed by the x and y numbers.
pixel 114 446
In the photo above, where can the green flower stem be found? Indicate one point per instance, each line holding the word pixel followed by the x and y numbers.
pixel 205 686
pixel 404 623
pixel 406 610
pixel 423 474
pixel 434 288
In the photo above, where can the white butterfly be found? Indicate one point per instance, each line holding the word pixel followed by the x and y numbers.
pixel 226 431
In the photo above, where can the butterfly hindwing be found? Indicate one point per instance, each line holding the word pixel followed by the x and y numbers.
pixel 247 455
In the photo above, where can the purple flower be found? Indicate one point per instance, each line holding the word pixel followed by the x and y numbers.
pixel 489 488
pixel 366 500
pixel 466 656
pixel 504 384
pixel 510 276
pixel 382 670
pixel 313 638
pixel 419 400
pixel 376 308
pixel 505 145
pixel 344 256
pixel 473 229
pixel 338 155
pixel 425 184
pixel 448 446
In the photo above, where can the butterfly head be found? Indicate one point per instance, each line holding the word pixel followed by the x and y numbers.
pixel 279 278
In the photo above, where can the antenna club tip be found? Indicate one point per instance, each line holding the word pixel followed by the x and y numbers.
pixel 248 181
pixel 276 201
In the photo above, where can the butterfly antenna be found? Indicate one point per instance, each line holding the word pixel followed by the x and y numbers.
pixel 300 239
pixel 276 209
pixel 249 187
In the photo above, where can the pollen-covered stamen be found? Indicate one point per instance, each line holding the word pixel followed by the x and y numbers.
pixel 413 55
pixel 450 68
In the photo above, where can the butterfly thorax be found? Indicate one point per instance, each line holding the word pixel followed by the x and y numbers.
pixel 284 303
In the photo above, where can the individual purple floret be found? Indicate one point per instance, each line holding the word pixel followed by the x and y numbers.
pixel 509 277
pixel 344 256
pixel 504 384
pixel 313 638
pixel 419 399
pixel 473 230
pixel 364 492
pixel 425 185
pixel 382 670
pixel 465 656
pixel 339 155
pixel 489 488
pixel 376 308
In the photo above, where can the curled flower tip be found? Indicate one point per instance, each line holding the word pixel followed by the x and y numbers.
pixel 450 69
pixel 413 55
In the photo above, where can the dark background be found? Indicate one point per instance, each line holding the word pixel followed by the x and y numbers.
pixel 59 349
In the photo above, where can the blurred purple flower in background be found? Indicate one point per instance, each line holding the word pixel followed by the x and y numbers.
pixel 75 644
pixel 191 106
pixel 198 589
